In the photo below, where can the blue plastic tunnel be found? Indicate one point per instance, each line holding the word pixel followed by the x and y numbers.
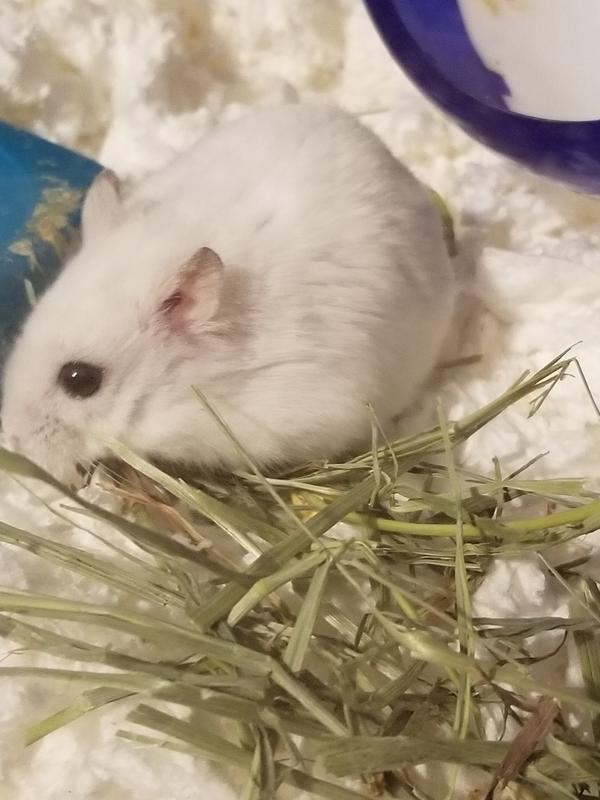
pixel 41 188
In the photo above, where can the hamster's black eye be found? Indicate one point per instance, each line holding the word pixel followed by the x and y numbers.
pixel 79 379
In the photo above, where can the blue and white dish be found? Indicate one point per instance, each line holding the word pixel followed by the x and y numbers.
pixel 521 76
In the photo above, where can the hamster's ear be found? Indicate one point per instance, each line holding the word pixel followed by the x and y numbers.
pixel 195 296
pixel 101 205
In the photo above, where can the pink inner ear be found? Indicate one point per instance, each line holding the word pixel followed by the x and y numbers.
pixel 195 298
pixel 178 308
pixel 172 302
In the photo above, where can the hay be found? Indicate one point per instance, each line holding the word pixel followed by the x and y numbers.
pixel 326 650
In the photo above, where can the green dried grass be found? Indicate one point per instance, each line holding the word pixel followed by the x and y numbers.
pixel 365 646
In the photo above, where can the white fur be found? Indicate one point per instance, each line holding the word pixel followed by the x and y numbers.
pixel 337 292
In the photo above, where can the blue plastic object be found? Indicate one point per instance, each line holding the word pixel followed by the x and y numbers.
pixel 432 42
pixel 41 188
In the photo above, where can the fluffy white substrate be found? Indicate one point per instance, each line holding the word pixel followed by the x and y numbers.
pixel 132 83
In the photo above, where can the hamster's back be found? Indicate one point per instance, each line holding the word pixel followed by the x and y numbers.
pixel 349 270
pixel 299 182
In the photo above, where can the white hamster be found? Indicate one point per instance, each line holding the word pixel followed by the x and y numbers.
pixel 289 267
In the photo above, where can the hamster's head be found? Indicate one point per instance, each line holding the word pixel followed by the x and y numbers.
pixel 111 350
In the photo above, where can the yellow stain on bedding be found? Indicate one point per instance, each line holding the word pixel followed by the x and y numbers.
pixel 491 5
pixel 513 5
